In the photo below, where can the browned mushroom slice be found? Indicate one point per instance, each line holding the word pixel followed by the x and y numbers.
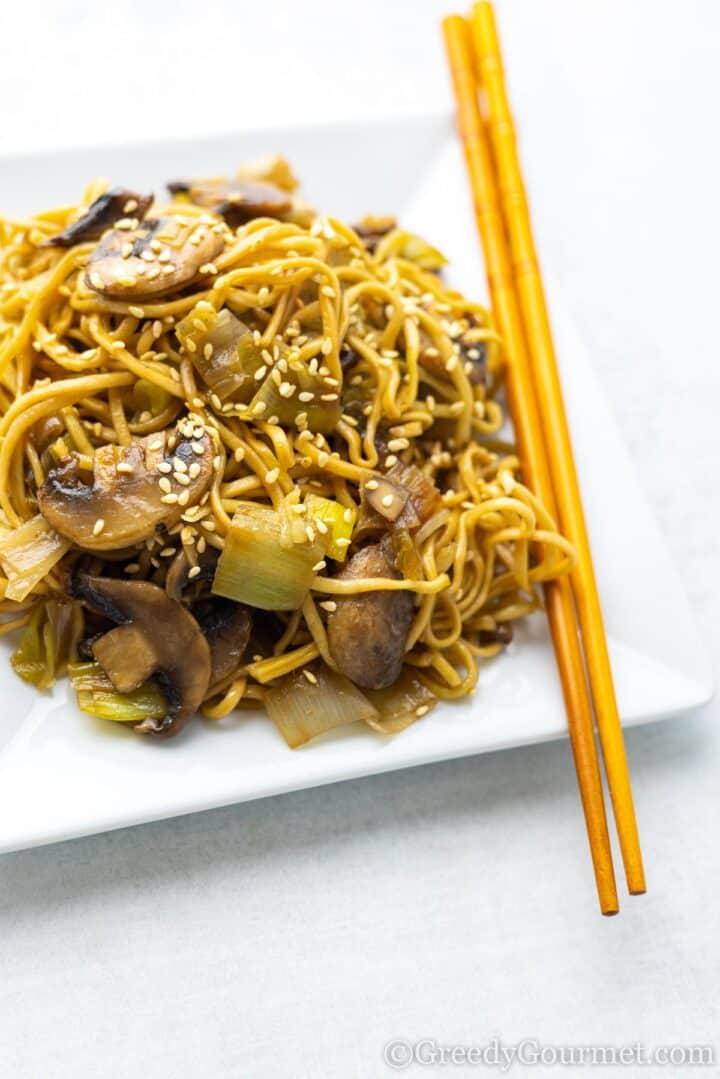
pixel 227 627
pixel 367 632
pixel 178 577
pixel 238 201
pixel 108 208
pixel 135 489
pixel 154 637
pixel 159 256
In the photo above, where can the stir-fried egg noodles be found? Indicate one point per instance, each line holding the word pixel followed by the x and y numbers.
pixel 252 455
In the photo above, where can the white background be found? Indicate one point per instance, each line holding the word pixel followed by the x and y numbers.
pixel 294 937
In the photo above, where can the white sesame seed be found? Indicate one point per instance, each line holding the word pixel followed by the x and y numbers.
pixel 260 373
pixel 327 346
pixel 272 475
pixel 323 458
pixel 136 312
pixel 126 468
pixel 321 527
pixel 328 605
pixel 371 485
pixel 198 448
pixel 387 500
pixel 342 542
pixel 130 206
pixel 390 460
pixel 310 533
pixel 396 444
pixel 169 499
pixel 239 453
pixel 98 526
pixel 132 567
pixel 194 572
pixel 310 676
pixel 182 478
pixel 306 396
pixel 194 470
pixel 156 445
pixel 164 484
pixel 347 516
pixel 258 408
pixel 179 465
pixel 319 566
pixel 422 710
pixel 183 498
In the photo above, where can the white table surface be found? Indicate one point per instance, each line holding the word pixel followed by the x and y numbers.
pixel 295 937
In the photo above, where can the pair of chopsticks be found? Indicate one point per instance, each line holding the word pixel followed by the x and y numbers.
pixel 537 411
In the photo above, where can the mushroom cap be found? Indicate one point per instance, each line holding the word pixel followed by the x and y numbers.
pixel 154 637
pixel 107 208
pixel 367 632
pixel 238 201
pixel 125 494
pixel 158 256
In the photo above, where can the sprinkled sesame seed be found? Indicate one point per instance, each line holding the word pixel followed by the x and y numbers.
pixel 179 465
pixel 323 458
pixel 197 447
pixel 342 542
pixel 422 710
pixel 347 516
pixel 194 470
pixel 310 533
pixel 451 364
pixel 208 524
pixel 327 346
pixel 387 500
pixel 194 572
pixel 98 526
pixel 183 498
pixel 95 279
pixel 164 484
pixel 130 206
pixel 328 290
pixel 310 676
pixel 126 250
pixel 306 396
pixel 396 444
pixel 286 389
pixel 167 552
pixel 156 445
pixel 390 460
pixel 321 527
pixel 147 256
pixel 132 567
pixel 239 453
pixel 272 475
pixel 217 462
pixel 319 566
pixel 258 408
pixel 182 478
pixel 260 373
pixel 208 268
pixel 371 485
pixel 126 468
pixel 136 312
pixel 328 605
pixel 168 268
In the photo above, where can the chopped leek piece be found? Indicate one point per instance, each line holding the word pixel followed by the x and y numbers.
pixel 149 397
pixel 400 705
pixel 49 642
pixel 97 697
pixel 297 390
pixel 304 706
pixel 419 251
pixel 222 350
pixel 28 554
pixel 260 565
pixel 339 521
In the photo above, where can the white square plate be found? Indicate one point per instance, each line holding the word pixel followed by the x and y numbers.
pixel 64 774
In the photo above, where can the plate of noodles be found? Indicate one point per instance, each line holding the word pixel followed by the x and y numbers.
pixel 262 523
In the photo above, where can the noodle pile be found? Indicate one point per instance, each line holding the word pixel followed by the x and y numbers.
pixel 415 366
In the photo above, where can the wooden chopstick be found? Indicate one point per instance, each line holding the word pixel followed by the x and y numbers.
pixel 548 392
pixel 528 431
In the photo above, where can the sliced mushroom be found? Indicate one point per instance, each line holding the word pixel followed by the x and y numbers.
pixel 108 208
pixel 367 632
pixel 154 258
pixel 178 576
pixel 227 627
pixel 135 489
pixel 154 637
pixel 238 201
